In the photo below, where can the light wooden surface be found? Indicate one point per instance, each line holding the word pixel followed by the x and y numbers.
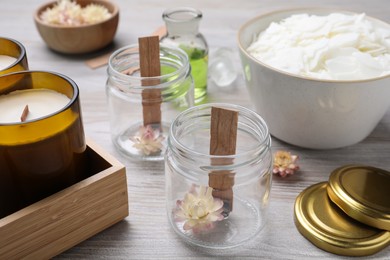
pixel 146 233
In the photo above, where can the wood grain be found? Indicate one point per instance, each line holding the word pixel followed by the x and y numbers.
pixel 149 59
pixel 79 39
pixel 50 226
pixel 146 233
pixel 223 139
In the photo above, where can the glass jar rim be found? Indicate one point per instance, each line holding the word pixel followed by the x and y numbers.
pixel 72 100
pixel 192 13
pixel 185 69
pixel 264 140
pixel 22 50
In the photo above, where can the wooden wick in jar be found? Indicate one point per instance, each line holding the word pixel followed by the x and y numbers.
pixel 102 60
pixel 223 138
pixel 24 115
pixel 149 55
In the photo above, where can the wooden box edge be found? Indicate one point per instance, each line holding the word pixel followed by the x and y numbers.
pixel 58 222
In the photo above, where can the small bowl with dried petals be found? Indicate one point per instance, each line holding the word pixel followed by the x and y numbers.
pixel 76 27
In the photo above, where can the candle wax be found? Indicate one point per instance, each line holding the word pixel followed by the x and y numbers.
pixel 6 61
pixel 41 102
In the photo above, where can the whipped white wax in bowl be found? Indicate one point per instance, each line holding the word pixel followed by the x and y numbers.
pixel 335 47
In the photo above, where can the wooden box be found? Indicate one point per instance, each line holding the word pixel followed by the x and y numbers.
pixel 58 222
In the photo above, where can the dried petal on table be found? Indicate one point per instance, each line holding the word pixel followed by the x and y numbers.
pixel 285 163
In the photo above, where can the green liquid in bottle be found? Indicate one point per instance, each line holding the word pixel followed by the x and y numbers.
pixel 177 92
pixel 199 73
pixel 199 66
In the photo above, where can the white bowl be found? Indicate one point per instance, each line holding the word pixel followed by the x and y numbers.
pixel 308 112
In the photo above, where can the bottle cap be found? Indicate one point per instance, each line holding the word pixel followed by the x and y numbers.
pixel 329 228
pixel 363 193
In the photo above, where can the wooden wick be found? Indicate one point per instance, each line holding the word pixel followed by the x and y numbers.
pixel 149 55
pixel 24 115
pixel 102 60
pixel 223 138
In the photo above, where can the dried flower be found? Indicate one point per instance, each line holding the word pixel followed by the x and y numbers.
pixel 285 163
pixel 199 209
pixel 70 13
pixel 94 13
pixel 148 140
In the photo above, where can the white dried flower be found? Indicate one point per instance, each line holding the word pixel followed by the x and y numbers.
pixel 148 140
pixel 199 210
pixel 70 13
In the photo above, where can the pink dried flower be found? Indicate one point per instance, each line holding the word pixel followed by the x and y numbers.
pixel 199 210
pixel 285 163
pixel 148 140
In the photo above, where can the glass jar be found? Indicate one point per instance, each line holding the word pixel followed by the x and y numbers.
pixel 129 98
pixel 198 212
pixel 13 56
pixel 183 31
pixel 44 153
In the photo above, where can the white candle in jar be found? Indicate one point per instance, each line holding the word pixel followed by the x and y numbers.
pixel 41 102
pixel 6 61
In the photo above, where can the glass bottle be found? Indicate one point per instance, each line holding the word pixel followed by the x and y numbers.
pixel 183 31
pixel 196 211
pixel 128 98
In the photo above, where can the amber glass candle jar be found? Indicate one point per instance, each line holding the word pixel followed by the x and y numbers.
pixel 41 154
pixel 13 56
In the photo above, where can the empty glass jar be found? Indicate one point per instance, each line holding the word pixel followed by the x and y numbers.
pixel 225 217
pixel 134 104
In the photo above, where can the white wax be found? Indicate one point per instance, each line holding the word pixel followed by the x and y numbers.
pixel 337 46
pixel 41 102
pixel 6 61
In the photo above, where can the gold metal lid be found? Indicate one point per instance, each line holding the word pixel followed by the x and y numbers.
pixel 329 228
pixel 363 192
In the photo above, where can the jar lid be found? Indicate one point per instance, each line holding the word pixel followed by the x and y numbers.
pixel 363 192
pixel 329 228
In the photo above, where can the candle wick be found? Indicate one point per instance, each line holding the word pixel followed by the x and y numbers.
pixel 24 114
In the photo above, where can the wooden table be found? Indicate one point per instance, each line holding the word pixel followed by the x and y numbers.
pixel 146 232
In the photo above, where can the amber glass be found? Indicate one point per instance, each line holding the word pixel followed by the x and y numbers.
pixel 41 156
pixel 14 49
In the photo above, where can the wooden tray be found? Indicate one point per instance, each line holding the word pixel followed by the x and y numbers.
pixel 58 222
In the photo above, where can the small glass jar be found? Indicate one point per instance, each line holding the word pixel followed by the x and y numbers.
pixel 183 31
pixel 209 217
pixel 129 96
pixel 13 56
